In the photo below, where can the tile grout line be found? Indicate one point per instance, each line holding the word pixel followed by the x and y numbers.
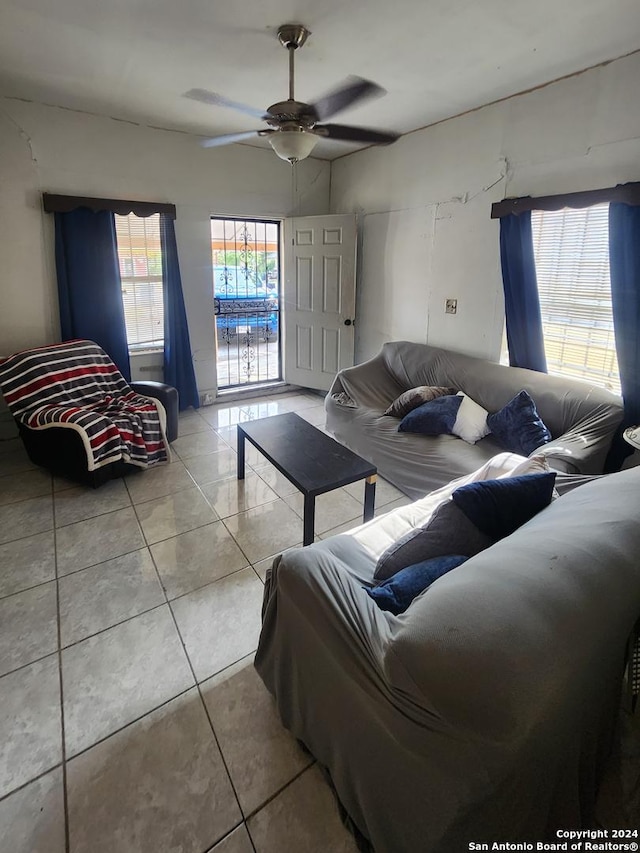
pixel 29 535
pixel 62 527
pixel 57 653
pixel 227 834
pixel 244 820
pixel 167 602
pixel 126 725
pixel 203 703
pixel 312 760
pixel 101 562
pixel 114 625
pixel 204 585
pixel 58 765
pixel 256 571
pixel 244 554
pixel 141 612
pixel 27 589
pixel 272 797
pixel 65 787
pixel 182 532
pixel 64 646
pixel 147 547
pixel 200 486
pixel 22 500
pixel 34 660
pixel 220 519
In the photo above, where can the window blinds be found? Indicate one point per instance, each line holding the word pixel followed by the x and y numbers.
pixel 140 258
pixel 571 250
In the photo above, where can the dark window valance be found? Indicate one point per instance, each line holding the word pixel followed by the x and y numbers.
pixel 67 203
pixel 626 193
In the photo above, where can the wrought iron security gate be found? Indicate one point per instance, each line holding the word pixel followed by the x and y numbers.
pixel 246 291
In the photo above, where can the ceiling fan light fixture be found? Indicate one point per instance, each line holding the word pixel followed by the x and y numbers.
pixel 293 143
pixel 294 125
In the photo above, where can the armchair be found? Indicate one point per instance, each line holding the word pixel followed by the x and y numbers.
pixel 78 417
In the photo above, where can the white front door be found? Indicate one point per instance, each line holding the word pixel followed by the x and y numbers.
pixel 319 298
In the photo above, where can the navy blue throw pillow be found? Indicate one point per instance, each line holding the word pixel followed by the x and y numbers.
pixel 498 507
pixel 434 418
pixel 518 426
pixel 397 593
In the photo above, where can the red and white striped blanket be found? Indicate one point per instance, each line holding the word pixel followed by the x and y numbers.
pixel 76 385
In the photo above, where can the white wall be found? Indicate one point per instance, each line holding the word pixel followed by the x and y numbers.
pixel 27 311
pixel 47 149
pixel 424 203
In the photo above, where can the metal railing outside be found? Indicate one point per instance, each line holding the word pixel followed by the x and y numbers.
pixel 246 278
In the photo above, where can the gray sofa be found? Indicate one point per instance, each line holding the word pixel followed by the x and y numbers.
pixel 484 713
pixel 582 418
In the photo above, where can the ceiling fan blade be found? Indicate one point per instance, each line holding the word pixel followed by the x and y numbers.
pixel 355 134
pixel 228 138
pixel 206 97
pixel 354 89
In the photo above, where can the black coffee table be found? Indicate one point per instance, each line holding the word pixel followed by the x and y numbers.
pixel 314 462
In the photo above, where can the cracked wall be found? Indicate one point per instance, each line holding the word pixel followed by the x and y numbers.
pixel 48 149
pixel 424 203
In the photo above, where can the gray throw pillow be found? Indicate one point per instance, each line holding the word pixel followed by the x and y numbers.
pixel 449 531
pixel 414 397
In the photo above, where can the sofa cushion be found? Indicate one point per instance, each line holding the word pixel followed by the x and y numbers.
pixel 518 426
pixel 471 421
pixel 475 520
pixel 498 507
pixel 397 593
pixel 448 531
pixel 415 397
pixel 434 418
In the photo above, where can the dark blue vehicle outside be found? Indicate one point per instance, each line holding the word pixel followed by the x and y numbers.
pixel 244 303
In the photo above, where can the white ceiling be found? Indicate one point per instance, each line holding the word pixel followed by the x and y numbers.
pixel 134 59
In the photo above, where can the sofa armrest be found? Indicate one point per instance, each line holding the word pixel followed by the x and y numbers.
pixel 321 585
pixel 583 448
pixel 370 384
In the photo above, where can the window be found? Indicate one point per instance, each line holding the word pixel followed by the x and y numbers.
pixel 571 250
pixel 140 258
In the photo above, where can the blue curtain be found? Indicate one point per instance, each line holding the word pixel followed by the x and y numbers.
pixel 89 288
pixel 178 362
pixel 624 263
pixel 521 301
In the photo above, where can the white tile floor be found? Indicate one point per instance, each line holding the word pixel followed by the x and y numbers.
pixel 131 718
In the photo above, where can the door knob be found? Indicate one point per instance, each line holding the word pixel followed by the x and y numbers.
pixel 347 322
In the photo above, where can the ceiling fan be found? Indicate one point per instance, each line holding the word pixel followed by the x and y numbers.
pixel 294 127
